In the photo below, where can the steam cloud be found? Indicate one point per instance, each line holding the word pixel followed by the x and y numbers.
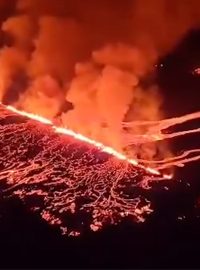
pixel 93 54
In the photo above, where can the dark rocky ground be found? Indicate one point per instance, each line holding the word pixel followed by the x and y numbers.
pixel 163 240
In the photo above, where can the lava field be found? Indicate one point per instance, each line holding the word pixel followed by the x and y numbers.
pixel 69 183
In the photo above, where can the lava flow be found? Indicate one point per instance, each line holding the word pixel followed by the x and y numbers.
pixel 80 137
pixel 70 180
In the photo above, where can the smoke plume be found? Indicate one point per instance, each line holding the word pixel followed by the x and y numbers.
pixel 93 54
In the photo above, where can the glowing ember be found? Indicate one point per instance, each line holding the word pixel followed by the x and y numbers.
pixel 197 71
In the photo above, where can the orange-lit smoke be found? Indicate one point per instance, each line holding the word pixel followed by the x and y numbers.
pixel 94 54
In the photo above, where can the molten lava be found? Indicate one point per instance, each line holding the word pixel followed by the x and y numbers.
pixel 80 137
pixel 73 181
pixel 68 179
pixel 154 134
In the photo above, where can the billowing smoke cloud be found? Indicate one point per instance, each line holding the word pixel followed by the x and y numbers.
pixel 102 92
pixel 44 96
pixel 94 54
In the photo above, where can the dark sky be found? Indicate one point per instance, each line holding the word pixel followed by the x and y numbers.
pixel 177 80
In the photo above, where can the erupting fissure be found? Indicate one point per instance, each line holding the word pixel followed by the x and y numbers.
pixel 80 137
pixel 154 134
pixel 72 184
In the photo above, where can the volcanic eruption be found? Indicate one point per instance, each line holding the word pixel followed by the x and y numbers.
pixel 70 182
pixel 82 127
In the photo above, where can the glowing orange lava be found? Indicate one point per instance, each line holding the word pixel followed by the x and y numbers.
pixel 83 138
pixel 197 71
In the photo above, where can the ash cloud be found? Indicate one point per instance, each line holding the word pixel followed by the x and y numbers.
pixel 93 54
